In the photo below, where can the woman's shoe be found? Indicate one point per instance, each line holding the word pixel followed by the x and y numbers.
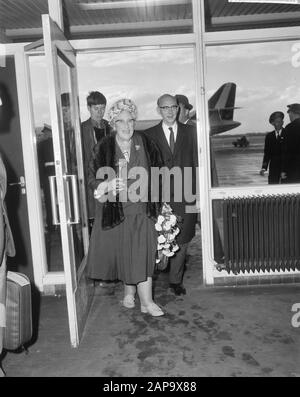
pixel 128 301
pixel 152 309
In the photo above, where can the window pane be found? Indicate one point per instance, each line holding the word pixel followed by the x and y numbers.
pixel 223 15
pixel 266 79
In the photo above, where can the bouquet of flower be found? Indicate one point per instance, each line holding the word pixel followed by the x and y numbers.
pixel 167 232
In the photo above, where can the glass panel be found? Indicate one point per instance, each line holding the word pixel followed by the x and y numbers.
pixel 140 75
pixel 128 18
pixel 261 79
pixel 222 15
pixel 44 144
pixel 71 170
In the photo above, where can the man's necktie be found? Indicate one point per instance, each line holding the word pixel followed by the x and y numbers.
pixel 99 133
pixel 172 139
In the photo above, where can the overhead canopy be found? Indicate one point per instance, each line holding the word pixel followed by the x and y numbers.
pixel 21 20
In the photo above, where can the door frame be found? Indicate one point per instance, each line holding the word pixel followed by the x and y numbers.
pixel 44 280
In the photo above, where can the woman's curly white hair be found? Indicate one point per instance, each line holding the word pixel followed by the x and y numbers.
pixel 121 105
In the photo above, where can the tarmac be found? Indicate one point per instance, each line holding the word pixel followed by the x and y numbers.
pixel 241 331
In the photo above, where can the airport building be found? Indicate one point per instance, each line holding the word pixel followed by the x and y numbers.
pixel 250 229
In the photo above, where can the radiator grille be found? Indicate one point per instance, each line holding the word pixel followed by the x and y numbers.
pixel 262 233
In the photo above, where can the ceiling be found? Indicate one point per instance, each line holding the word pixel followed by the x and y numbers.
pixel 21 20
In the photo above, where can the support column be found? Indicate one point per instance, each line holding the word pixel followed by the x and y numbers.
pixel 55 8
pixel 203 144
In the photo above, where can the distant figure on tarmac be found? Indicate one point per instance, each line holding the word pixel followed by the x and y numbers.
pixel 274 141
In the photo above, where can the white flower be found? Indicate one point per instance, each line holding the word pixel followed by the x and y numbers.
pixel 175 248
pixel 173 220
pixel 159 247
pixel 168 253
pixel 161 239
pixel 171 237
pixel 166 246
pixel 158 227
pixel 177 231
pixel 160 219
pixel 167 226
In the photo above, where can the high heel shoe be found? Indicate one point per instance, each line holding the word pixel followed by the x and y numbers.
pixel 152 309
pixel 128 301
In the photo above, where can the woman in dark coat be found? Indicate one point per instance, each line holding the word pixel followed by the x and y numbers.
pixel 123 242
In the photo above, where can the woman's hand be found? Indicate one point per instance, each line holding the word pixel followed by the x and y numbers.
pixel 114 186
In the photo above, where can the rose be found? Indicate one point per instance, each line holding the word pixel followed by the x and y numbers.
pixel 161 239
pixel 167 226
pixel 160 219
pixel 168 253
pixel 158 227
pixel 173 220
pixel 175 248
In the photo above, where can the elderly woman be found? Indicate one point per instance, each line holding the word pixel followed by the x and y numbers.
pixel 123 241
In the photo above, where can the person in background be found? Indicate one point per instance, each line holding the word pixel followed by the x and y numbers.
pixel 177 143
pixel 124 241
pixel 92 131
pixel 46 169
pixel 274 141
pixel 7 248
pixel 291 147
pixel 184 110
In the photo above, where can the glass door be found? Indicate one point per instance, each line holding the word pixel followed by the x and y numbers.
pixel 68 201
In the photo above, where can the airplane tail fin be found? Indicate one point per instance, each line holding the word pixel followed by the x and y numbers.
pixel 223 101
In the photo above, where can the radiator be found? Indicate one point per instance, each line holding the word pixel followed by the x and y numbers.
pixel 261 233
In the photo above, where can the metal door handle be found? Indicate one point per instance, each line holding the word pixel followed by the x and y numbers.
pixel 73 179
pixel 55 219
pixel 53 195
pixel 21 183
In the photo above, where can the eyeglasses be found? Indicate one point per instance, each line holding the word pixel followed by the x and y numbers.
pixel 173 108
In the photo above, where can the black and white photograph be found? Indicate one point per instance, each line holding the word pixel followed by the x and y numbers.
pixel 150 191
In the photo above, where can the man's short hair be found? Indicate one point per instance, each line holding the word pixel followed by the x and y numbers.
pixel 95 98
pixel 276 115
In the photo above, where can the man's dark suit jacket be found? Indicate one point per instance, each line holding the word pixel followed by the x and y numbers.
pixel 185 155
pixel 273 156
pixel 291 152
pixel 88 142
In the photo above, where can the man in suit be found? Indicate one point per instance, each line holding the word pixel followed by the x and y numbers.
pixel 291 147
pixel 92 131
pixel 177 143
pixel 274 141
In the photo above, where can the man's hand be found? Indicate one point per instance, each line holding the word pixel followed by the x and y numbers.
pixel 262 172
pixel 283 175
